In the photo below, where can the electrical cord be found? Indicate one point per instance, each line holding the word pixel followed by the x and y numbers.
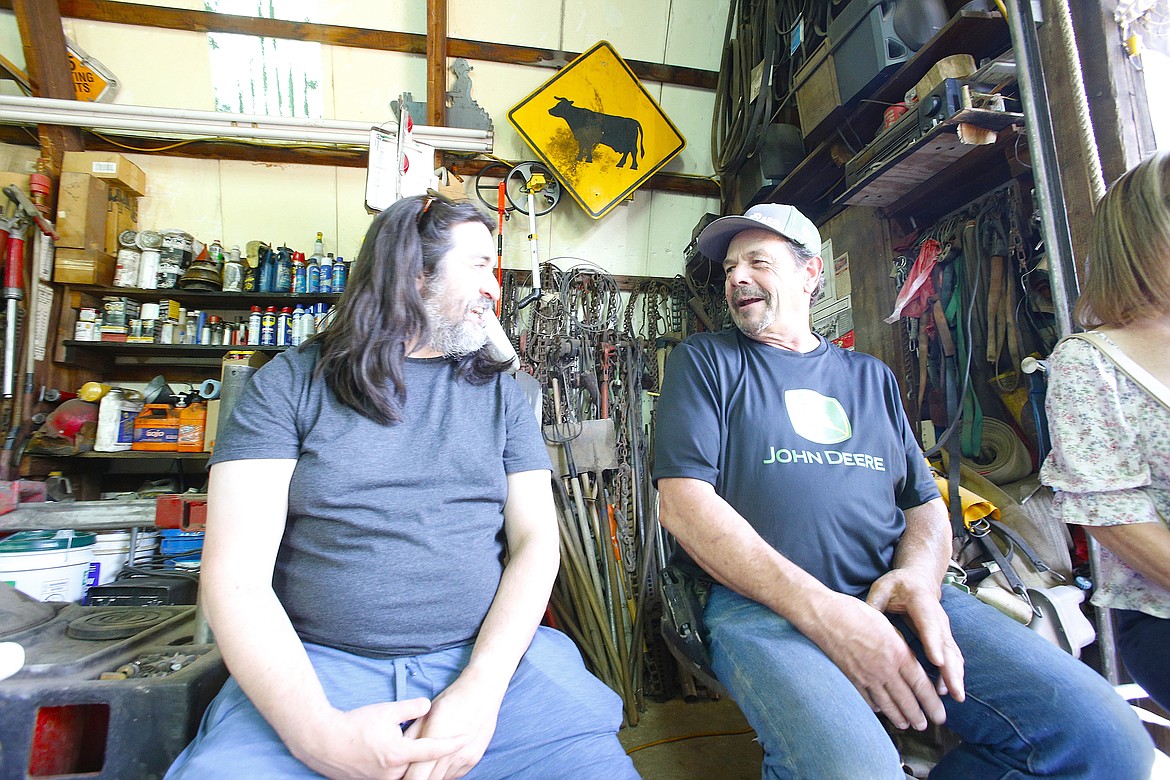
pixel 683 737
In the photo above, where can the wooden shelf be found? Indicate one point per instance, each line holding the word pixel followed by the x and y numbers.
pixel 919 162
pixel 815 186
pixel 118 348
pixel 143 455
pixel 210 300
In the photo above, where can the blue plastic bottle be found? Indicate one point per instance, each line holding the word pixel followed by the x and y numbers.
pixel 283 281
pixel 340 275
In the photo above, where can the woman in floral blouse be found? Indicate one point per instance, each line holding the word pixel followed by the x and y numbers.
pixel 1110 459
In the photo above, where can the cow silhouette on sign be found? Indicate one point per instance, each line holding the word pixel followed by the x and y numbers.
pixel 590 128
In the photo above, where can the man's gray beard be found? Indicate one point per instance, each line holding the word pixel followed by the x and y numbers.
pixel 752 330
pixel 453 339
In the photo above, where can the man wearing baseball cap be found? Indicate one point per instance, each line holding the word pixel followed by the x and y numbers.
pixel 790 476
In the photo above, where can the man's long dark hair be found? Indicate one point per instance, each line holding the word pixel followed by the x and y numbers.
pixel 381 311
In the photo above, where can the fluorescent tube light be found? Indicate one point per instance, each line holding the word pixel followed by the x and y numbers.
pixel 16 109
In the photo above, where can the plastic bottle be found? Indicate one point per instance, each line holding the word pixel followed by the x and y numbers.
pixel 92 391
pixel 284 272
pixel 255 322
pixel 319 246
pixel 340 275
pixel 116 413
pixel 266 271
pixel 233 272
pixel 192 424
pixel 327 273
pixel 300 278
pixel 308 326
pixel 109 417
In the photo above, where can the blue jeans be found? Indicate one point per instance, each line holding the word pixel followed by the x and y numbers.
pixel 1031 710
pixel 557 720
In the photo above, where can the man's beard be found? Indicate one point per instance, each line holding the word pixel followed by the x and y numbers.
pixel 455 337
pixel 755 327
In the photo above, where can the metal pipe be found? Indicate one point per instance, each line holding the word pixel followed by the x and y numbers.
pixel 1041 142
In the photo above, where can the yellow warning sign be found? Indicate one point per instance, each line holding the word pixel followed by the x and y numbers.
pixel 88 83
pixel 598 128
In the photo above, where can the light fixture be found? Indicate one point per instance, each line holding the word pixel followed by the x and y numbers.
pixel 15 109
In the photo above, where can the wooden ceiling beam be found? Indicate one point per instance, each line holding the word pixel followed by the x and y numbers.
pixel 355 37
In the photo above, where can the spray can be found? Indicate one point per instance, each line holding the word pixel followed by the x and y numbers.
pixel 296 333
pixel 300 276
pixel 215 254
pixel 327 273
pixel 340 275
pixel 284 327
pixel 313 276
pixel 255 322
pixel 268 327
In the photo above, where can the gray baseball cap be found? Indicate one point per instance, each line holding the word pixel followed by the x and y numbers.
pixel 784 221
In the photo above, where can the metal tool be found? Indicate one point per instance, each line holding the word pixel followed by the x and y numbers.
pixel 531 179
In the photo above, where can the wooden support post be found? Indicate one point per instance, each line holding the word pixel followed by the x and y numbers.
pixel 39 22
pixel 437 63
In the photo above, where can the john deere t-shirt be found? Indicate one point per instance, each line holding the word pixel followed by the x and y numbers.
pixel 813 449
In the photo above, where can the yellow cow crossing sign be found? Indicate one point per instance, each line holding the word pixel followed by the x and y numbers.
pixel 598 128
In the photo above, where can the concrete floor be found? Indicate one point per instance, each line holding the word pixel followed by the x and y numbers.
pixel 727 757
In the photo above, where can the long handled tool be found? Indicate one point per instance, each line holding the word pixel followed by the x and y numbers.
pixel 532 179
pixel 15 224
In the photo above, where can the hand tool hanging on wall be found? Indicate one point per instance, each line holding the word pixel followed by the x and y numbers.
pixel 20 215
pixel 599 375
pixel 529 180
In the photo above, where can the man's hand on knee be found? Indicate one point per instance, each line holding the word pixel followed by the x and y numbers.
pixel 876 659
pixel 908 593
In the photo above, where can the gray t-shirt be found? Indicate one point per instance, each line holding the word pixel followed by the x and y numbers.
pixel 394 541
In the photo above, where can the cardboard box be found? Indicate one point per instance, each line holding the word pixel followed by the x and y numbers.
pixel 19 159
pixel 211 427
pixel 20 180
pixel 83 266
pixel 111 166
pixel 81 212
pixel 121 214
pixel 818 94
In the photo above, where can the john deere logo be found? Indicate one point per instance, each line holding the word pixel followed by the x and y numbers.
pixel 817 417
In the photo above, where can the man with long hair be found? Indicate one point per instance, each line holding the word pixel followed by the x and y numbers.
pixel 381 543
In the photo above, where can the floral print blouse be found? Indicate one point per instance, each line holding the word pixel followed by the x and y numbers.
pixel 1110 462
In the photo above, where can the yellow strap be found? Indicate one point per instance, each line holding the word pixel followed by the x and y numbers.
pixel 975 507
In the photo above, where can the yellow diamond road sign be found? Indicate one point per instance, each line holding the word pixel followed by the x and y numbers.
pixel 598 128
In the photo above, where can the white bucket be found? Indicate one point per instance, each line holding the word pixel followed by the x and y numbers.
pixel 47 565
pixel 112 551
